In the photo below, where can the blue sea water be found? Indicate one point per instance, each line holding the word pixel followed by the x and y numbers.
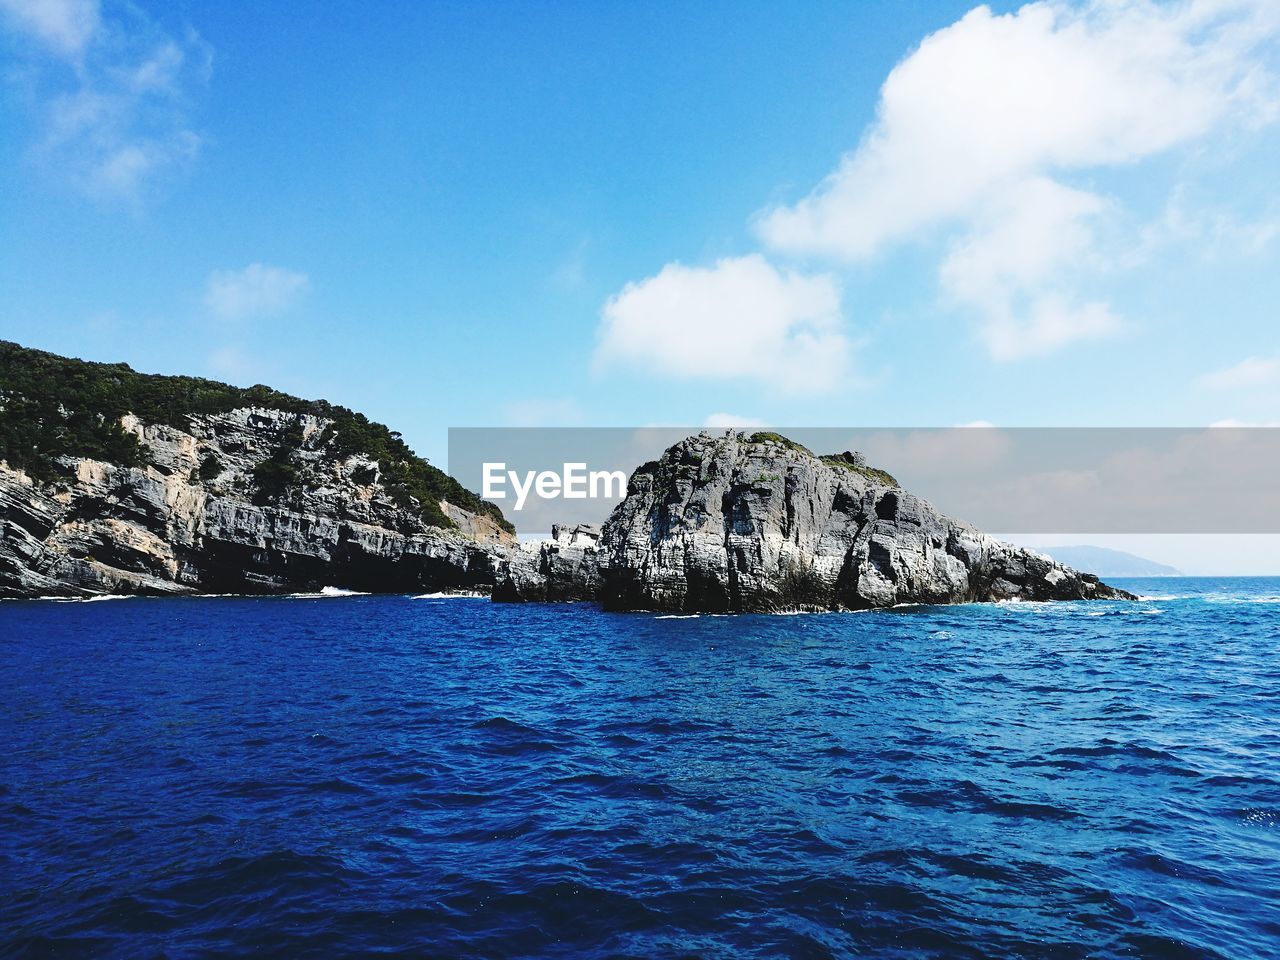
pixel 332 777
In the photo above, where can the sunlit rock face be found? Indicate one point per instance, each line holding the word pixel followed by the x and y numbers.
pixel 757 523
pixel 168 527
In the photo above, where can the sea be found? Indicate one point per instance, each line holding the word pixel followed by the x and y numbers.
pixel 335 775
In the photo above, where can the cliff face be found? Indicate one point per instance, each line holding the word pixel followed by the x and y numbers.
pixel 735 524
pixel 112 481
pixel 567 567
pixel 201 516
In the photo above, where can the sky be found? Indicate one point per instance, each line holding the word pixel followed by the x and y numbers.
pixel 901 213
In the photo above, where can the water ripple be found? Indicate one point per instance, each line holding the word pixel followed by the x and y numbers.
pixel 375 775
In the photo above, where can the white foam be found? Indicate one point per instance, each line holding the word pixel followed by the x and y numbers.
pixel 325 592
pixel 92 599
pixel 339 592
pixel 452 595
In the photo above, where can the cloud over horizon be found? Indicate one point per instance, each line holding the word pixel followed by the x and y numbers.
pixel 1250 372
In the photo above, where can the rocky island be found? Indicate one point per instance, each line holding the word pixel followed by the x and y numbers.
pixel 117 482
pixel 759 523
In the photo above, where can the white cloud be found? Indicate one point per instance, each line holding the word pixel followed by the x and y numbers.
pixel 731 421
pixel 112 96
pixel 1250 372
pixel 741 319
pixel 1045 324
pixel 1014 269
pixel 974 127
pixel 259 290
pixel 993 99
pixel 1024 236
pixel 66 26
pixel 1210 232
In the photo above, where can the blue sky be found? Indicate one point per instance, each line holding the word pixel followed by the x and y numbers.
pixel 614 214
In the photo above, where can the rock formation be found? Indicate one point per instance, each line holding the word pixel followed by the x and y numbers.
pixel 194 519
pixel 113 481
pixel 757 523
pixel 566 567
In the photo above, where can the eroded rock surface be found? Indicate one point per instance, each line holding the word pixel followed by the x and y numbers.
pixel 162 529
pixel 566 567
pixel 732 523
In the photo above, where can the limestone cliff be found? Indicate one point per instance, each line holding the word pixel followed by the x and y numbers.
pixel 247 499
pixel 107 528
pixel 566 567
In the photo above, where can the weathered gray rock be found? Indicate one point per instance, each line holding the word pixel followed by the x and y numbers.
pixel 717 524
pixel 159 529
pixel 564 568
pixel 731 524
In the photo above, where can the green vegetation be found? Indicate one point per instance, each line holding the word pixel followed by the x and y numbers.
pixel 210 469
pixel 768 436
pixel 274 476
pixel 52 407
pixel 855 464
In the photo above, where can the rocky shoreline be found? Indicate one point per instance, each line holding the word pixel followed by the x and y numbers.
pixel 717 524
pixel 222 490
pixel 164 528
